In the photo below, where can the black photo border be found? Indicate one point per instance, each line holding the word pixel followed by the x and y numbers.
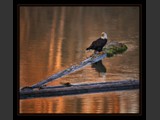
pixel 142 58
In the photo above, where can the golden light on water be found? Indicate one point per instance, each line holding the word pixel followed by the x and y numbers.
pixel 109 103
pixel 51 47
pixel 60 40
pixel 54 38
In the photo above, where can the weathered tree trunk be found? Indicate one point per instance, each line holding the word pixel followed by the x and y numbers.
pixel 88 61
pixel 79 89
pixel 111 49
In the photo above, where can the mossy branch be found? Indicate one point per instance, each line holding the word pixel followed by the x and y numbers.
pixel 114 48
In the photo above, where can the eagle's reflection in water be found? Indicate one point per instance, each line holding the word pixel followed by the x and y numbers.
pixel 100 68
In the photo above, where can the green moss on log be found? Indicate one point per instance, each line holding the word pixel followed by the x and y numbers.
pixel 114 48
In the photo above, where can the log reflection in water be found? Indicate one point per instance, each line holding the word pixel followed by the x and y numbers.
pixel 99 67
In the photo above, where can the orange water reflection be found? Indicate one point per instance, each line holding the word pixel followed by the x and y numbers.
pixel 54 38
pixel 111 102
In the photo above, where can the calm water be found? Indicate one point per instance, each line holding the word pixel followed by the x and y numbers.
pixel 54 38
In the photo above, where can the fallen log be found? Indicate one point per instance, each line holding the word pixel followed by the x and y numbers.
pixel 88 61
pixel 110 50
pixel 71 89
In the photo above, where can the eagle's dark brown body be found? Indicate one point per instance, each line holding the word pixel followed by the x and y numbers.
pixel 97 45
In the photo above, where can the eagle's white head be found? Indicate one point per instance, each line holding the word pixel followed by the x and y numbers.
pixel 104 35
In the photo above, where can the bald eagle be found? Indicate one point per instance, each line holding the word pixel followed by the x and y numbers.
pixel 98 44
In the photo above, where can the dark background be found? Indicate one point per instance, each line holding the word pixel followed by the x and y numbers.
pixel 7 41
pixel 6 59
